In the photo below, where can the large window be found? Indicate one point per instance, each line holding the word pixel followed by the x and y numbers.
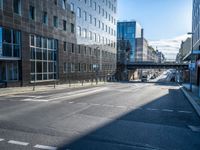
pixel 43 58
pixel 10 43
pixel 64 5
pixel 9 71
pixel 17 6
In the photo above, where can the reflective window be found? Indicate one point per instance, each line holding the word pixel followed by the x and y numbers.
pixel 55 21
pixel 43 58
pixel 45 18
pixel 1 4
pixel 17 6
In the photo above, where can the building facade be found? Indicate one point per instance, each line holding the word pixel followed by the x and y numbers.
pixel 96 29
pixel 196 40
pixel 38 44
pixel 185 50
pixel 128 31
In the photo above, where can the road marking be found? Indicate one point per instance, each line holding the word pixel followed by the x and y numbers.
pixel 18 142
pixel 187 112
pixel 45 147
pixel 121 106
pixel 1 140
pixel 194 128
pixel 34 100
pixel 71 102
pixel 108 105
pixel 167 110
pixel 95 104
pixel 152 109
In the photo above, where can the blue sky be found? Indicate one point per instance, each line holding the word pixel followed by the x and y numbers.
pixel 161 19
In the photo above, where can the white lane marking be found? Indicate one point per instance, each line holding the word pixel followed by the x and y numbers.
pixel 95 104
pixel 107 105
pixel 187 112
pixel 167 110
pixel 45 147
pixel 18 143
pixel 79 94
pixel 1 140
pixel 71 102
pixel 152 109
pixel 121 106
pixel 34 100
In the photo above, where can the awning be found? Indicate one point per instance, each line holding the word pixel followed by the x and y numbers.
pixel 188 56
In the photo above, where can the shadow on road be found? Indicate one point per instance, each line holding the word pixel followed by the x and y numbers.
pixel 140 129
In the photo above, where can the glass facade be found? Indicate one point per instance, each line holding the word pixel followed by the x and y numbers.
pixel 127 32
pixel 10 54
pixel 91 15
pixel 43 58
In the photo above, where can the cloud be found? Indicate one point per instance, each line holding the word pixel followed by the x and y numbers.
pixel 169 47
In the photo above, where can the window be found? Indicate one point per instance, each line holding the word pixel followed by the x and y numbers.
pixel 1 4
pixel 64 4
pixel 79 49
pixel 99 9
pixel 56 2
pixel 32 12
pixel 64 25
pixel 95 21
pixel 90 18
pixel 55 21
pixel 85 15
pixel 72 28
pixel 95 6
pixel 43 58
pixel 90 3
pixel 10 43
pixel 45 18
pixel 90 35
pixel 65 46
pixel 78 12
pixel 72 48
pixel 17 6
pixel 78 31
pixel 85 33
pixel 99 24
pixel 72 6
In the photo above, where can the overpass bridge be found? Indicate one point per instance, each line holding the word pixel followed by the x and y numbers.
pixel 149 65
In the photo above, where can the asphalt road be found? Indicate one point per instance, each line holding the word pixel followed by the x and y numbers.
pixel 116 116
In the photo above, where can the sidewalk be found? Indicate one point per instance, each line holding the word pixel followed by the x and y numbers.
pixel 41 88
pixel 192 96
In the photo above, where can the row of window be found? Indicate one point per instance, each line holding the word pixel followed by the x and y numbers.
pixel 86 15
pixel 83 67
pixel 93 4
pixel 86 51
pixel 32 15
pixel 95 37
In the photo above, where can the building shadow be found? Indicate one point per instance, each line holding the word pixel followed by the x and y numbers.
pixel 144 128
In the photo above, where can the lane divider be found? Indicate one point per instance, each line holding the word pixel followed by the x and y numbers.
pixel 18 143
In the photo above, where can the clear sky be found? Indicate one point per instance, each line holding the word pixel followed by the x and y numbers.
pixel 161 19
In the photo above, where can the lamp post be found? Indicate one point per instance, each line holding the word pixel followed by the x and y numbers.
pixel 191 33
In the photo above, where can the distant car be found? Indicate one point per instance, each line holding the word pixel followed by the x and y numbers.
pixel 144 78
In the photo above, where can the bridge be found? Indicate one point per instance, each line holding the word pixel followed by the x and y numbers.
pixel 150 65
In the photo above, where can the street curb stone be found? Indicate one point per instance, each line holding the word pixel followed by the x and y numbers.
pixel 194 104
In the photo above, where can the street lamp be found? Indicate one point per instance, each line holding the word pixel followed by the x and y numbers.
pixel 191 33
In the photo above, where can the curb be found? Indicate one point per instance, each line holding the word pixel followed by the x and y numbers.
pixel 194 104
